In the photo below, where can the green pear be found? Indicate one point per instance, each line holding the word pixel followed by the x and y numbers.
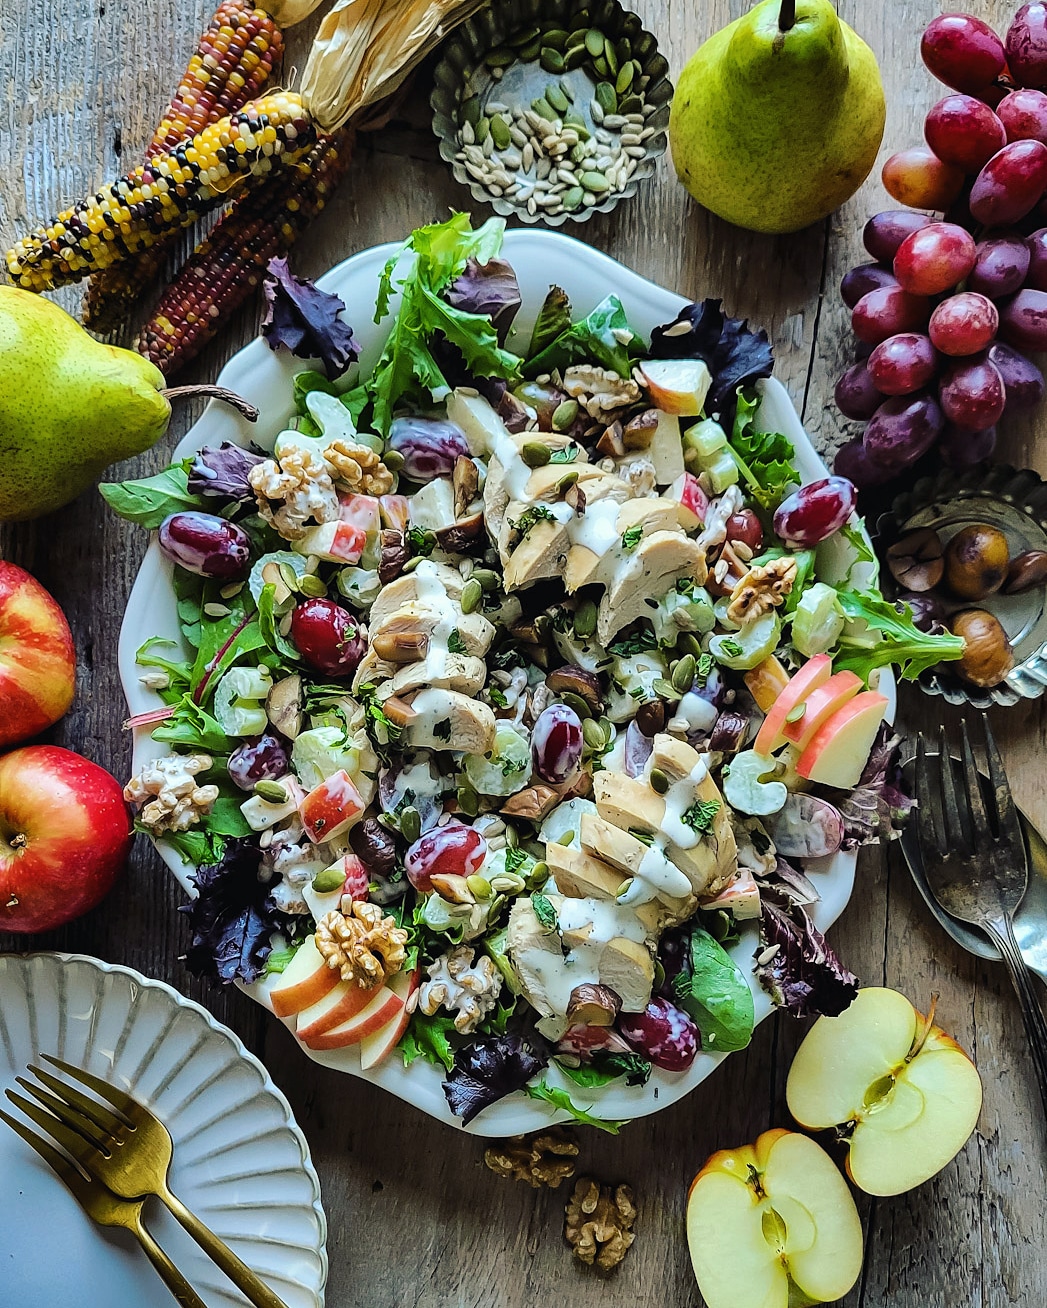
pixel 778 117
pixel 70 405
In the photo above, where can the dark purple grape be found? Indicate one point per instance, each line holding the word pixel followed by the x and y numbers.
pixel 207 545
pixel 901 430
pixel 374 846
pixel 1036 277
pixel 902 364
pixel 962 448
pixel 1022 380
pixel 262 758
pixel 429 446
pixel 884 232
pixel 1024 115
pixel 1000 266
pixel 1023 322
pixel 811 514
pixel 1010 184
pixel 863 279
pixel 328 637
pixel 663 1033
pixel 556 744
pixel 853 462
pixel 972 394
pixel 674 954
pixel 856 394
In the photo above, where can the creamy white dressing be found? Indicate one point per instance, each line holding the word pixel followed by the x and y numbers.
pixel 694 713
pixel 432 595
pixel 597 530
pixel 656 876
pixel 580 964
pixel 678 799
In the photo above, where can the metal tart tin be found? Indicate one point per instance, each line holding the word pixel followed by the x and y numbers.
pixel 462 66
pixel 1016 503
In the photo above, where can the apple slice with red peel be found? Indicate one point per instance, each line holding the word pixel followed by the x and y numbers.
pixel 821 704
pixel 905 1091
pixel 677 385
pixel 304 981
pixel 773 1224
pixel 381 1007
pixel 687 491
pixel 814 673
pixel 337 1006
pixel 839 749
pixel 377 1047
pixel 331 808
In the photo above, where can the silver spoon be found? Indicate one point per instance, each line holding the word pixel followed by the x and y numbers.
pixel 1030 921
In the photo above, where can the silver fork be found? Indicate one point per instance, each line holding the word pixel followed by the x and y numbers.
pixel 976 862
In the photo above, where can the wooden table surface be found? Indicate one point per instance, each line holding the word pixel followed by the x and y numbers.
pixel 415 1218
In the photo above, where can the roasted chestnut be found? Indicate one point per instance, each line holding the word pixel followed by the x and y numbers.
pixel 916 561
pixel 987 656
pixel 1026 571
pixel 577 681
pixel 976 561
pixel 374 846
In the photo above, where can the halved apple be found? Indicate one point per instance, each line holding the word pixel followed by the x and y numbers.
pixel 381 1007
pixel 773 1224
pixel 814 673
pixel 677 385
pixel 376 1047
pixel 304 981
pixel 906 1092
pixel 337 1006
pixel 820 705
pixel 839 749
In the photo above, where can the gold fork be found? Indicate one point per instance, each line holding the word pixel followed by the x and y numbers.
pixel 130 1152
pixel 103 1207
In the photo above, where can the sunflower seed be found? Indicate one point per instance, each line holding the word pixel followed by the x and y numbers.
pixel 496 107
pixel 518 138
pixel 474 154
pixel 588 198
pixel 596 110
pixel 495 190
pixel 631 138
pixel 528 157
pixel 468 135
pixel 636 152
pixel 532 206
pixel 636 119
pixel 614 122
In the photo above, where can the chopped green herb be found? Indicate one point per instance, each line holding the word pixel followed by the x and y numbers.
pixel 515 858
pixel 632 538
pixel 497 697
pixel 420 541
pixel 568 454
pixel 544 911
pixel 455 643
pixel 645 837
pixel 705 665
pixel 640 642
pixel 699 817
pixel 731 648
pixel 536 513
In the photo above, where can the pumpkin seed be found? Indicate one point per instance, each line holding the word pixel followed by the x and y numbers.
pixel 500 132
pixel 659 781
pixel 557 99
pixel 600 67
pixel 472 596
pixel 532 51
pixel 625 78
pixel 271 791
pixel 567 410
pixel 500 57
pixel 555 37
pixel 566 482
pixel 331 878
pixel 606 97
pixel 410 824
pixel 393 460
pixel 595 42
pixel 524 37
pixel 623 50
pixel 483 130
pixel 592 735
pixel 577 153
pixel 683 674
pixel 632 104
pixel 611 58
pixel 468 801
pixel 471 110
pixel 543 109
pixel 664 689
pixel 577 703
pixel 595 182
pixel 580 21
pixel 575 57
pixel 488 579
pixel 551 60
pixel 535 454
pixel 566 92
pixel 796 712
pixel 312 587
pixel 691 644
pixel 623 889
pixel 479 885
pixel 585 619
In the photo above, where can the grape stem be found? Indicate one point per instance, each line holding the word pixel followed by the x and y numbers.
pixel 787 15
pixel 243 406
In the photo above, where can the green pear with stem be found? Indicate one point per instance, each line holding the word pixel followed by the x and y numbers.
pixel 71 405
pixel 778 117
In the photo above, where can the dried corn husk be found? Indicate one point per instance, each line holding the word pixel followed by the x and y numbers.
pixel 285 13
pixel 365 48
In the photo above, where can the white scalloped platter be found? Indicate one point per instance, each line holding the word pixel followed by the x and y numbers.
pixel 265 378
pixel 240 1161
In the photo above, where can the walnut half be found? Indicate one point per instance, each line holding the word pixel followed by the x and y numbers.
pixel 762 588
pixel 599 1222
pixel 543 1159
pixel 362 946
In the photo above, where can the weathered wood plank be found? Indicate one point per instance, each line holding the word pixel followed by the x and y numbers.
pixel 415 1218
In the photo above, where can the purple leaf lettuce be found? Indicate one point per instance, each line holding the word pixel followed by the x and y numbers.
pixel 734 353
pixel 223 471
pixel 232 917
pixel 489 1069
pixel 304 320
pixel 803 974
pixel 489 288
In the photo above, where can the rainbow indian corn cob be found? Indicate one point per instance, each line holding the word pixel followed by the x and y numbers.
pixel 164 195
pixel 231 65
pixel 229 265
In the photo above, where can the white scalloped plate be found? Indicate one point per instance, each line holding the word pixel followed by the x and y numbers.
pixel 241 1163
pixel 264 377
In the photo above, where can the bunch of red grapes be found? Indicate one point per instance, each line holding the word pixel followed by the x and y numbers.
pixel 949 309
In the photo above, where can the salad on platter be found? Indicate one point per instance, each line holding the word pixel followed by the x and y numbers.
pixel 514 685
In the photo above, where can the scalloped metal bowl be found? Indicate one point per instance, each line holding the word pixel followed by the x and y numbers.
pixel 1015 502
pixel 463 55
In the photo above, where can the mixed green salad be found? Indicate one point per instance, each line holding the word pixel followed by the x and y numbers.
pixel 513 683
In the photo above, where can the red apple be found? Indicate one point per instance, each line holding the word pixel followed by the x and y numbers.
pixel 64 836
pixel 331 808
pixel 37 660
pixel 377 1046
pixel 380 1008
pixel 814 673
pixel 693 501
pixel 306 980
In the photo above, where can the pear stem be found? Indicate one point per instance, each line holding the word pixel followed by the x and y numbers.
pixel 246 409
pixel 787 15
